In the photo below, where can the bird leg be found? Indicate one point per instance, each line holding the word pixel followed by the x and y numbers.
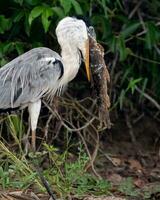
pixel 34 140
pixel 34 111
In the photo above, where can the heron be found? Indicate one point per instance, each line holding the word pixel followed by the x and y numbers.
pixel 42 72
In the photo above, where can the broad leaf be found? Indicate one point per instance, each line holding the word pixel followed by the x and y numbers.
pixel 152 35
pixel 129 29
pixel 26 24
pixel 66 4
pixel 5 24
pixel 36 12
pixel 3 61
pixel 8 47
pixel 18 15
pixel 113 43
pixel 121 47
pixel 132 84
pixel 77 7
pixel 47 12
pixel 19 47
pixel 59 12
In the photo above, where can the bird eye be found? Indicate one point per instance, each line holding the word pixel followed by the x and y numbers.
pixel 55 61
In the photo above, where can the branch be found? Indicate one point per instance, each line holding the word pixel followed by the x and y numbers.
pixel 153 101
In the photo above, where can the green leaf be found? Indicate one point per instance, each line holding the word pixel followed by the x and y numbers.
pixel 129 29
pixel 18 16
pixel 47 12
pixel 132 84
pixel 144 85
pixel 66 4
pixel 5 24
pixel 126 74
pixel 77 7
pixel 3 62
pixel 36 12
pixel 103 25
pixel 113 43
pixel 8 47
pixel 104 8
pixel 1 172
pixel 127 187
pixel 152 35
pixel 26 24
pixel 19 48
pixel 59 12
pixel 121 47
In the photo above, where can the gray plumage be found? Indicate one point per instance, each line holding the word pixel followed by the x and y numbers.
pixel 29 77
pixel 41 71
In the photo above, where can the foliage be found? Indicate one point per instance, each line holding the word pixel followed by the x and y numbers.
pixel 15 171
pixel 71 177
pixel 67 178
pixel 128 30
pixel 127 187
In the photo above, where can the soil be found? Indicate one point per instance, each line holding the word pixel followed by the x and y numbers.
pixel 132 149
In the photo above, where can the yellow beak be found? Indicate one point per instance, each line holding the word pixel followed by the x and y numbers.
pixel 87 60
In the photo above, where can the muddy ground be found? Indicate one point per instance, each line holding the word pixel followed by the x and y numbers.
pixel 132 149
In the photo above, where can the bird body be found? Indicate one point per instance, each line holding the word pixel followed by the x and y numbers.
pixel 42 72
pixel 29 77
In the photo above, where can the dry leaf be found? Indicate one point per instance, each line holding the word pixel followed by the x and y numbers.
pixel 135 164
pixel 115 178
pixel 116 161
pixel 139 183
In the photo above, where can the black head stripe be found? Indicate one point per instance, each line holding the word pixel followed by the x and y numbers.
pixel 59 63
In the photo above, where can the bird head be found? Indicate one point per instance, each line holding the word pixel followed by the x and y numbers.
pixel 73 31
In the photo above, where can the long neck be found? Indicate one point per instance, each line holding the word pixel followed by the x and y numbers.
pixel 71 63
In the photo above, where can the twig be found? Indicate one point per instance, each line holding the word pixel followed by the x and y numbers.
pixel 153 101
pixel 133 138
pixel 64 124
pixel 141 20
pixel 57 130
pixel 43 179
pixel 107 157
pixel 135 9
pixel 91 157
pixel 94 155
pixel 74 129
pixel 82 107
pixel 138 118
pixel 129 125
pixel 47 126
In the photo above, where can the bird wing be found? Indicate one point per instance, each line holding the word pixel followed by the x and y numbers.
pixel 30 76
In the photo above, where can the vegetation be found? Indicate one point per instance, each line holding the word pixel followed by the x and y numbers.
pixel 130 34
